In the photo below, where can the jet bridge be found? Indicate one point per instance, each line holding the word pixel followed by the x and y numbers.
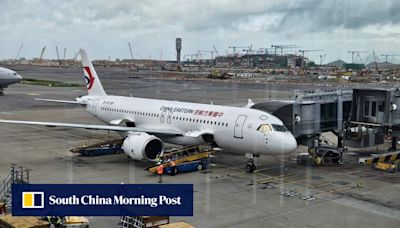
pixel 359 117
pixel 310 114
pixel 375 114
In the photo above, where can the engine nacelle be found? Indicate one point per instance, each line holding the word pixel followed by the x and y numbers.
pixel 140 146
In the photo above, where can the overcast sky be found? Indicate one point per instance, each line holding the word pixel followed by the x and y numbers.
pixel 104 27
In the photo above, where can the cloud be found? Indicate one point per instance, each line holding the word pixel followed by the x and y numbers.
pixel 105 27
pixel 315 15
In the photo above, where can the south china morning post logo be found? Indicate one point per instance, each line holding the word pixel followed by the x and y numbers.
pixel 118 200
pixel 102 200
pixel 33 200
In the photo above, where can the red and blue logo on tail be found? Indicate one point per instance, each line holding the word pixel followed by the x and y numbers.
pixel 88 77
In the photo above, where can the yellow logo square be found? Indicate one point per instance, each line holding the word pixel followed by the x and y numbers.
pixel 33 200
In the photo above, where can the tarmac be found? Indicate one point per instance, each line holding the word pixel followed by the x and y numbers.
pixel 280 193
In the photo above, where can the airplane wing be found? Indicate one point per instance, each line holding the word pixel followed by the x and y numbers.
pixel 96 127
pixel 196 134
pixel 60 101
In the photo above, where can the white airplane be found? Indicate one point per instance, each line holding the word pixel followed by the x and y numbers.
pixel 7 77
pixel 148 123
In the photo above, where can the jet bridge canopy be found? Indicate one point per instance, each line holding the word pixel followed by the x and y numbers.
pixel 312 113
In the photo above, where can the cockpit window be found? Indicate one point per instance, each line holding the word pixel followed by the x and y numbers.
pixel 280 128
pixel 264 128
pixel 15 74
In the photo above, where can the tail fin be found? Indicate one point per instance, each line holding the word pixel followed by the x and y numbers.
pixel 93 83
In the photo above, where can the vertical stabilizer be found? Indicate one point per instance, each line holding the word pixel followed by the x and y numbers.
pixel 93 83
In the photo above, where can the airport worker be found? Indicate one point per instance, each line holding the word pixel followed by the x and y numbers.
pixel 160 172
pixel 59 221
pixel 158 159
pixel 172 164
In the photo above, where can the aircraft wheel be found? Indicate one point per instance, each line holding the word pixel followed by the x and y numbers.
pixel 174 171
pixel 1 93
pixel 250 168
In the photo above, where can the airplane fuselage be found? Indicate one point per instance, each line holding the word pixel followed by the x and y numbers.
pixel 234 129
pixel 8 77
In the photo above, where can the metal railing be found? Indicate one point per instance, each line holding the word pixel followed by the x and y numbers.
pixel 16 176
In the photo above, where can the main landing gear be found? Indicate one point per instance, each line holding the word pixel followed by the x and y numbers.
pixel 1 92
pixel 250 167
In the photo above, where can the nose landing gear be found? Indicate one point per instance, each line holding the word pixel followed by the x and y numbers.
pixel 250 167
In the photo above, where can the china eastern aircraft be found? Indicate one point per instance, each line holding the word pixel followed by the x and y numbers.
pixel 7 77
pixel 147 123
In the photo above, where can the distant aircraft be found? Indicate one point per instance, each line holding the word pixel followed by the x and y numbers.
pixel 7 77
pixel 148 123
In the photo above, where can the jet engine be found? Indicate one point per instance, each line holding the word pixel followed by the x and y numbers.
pixel 140 146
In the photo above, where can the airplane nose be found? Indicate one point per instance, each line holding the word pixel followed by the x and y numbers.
pixel 291 144
pixel 17 78
pixel 282 143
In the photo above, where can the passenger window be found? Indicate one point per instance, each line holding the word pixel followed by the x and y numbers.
pixel 264 128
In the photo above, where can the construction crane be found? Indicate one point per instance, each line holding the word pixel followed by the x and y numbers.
pixel 19 51
pixel 264 50
pixel 195 56
pixel 58 55
pixel 215 50
pixel 376 60
pixel 42 53
pixel 235 47
pixel 248 50
pixel 386 57
pixel 321 59
pixel 357 56
pixel 65 53
pixel 206 51
pixel 286 46
pixel 130 49
pixel 304 51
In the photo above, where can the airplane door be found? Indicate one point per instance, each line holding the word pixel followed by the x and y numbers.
pixel 162 117
pixel 238 132
pixel 169 116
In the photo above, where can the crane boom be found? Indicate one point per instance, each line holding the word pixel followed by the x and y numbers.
pixel 42 53
pixel 304 51
pixel 58 55
pixel 19 51
pixel 358 55
pixel 130 49
pixel 387 55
